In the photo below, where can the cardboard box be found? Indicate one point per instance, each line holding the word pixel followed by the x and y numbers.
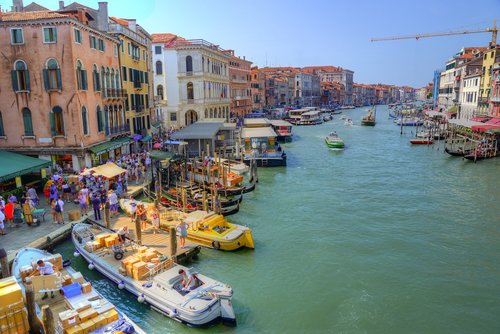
pixel 110 241
pixel 142 249
pixel 77 277
pixel 10 296
pixel 87 314
pixel 129 260
pixel 87 326
pixel 45 282
pixel 74 330
pixel 101 237
pixel 67 280
pixel 155 260
pixel 146 257
pixel 110 316
pixel 69 318
pixel 122 271
pixel 86 287
pixel 99 321
pixel 82 306
pixel 9 280
pixel 13 319
pixel 56 260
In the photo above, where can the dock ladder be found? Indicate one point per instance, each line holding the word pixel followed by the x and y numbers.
pixel 264 162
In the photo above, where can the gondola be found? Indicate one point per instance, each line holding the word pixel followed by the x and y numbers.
pixel 456 153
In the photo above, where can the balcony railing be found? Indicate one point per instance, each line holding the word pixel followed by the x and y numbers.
pixel 495 99
pixel 110 93
pixel 137 84
pixel 483 100
pixel 138 108
pixel 117 130
pixel 207 100
pixel 227 142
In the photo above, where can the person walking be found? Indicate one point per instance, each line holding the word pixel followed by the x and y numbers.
pixel 133 208
pixel 82 199
pixel 182 229
pixel 141 215
pixel 59 208
pixel 9 213
pixel 66 191
pixel 53 210
pixel 113 203
pixel 18 214
pixel 96 205
pixel 28 212
pixel 155 219
pixel 33 195
pixel 2 225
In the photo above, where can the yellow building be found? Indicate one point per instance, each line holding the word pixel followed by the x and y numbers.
pixel 136 75
pixel 485 89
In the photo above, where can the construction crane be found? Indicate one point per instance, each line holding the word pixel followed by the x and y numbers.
pixel 493 31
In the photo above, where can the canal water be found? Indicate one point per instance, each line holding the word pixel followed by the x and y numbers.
pixel 383 237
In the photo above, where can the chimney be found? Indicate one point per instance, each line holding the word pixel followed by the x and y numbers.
pixel 102 17
pixel 132 24
pixel 61 4
pixel 17 5
pixel 1 13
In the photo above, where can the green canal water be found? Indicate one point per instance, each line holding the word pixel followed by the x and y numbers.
pixel 380 238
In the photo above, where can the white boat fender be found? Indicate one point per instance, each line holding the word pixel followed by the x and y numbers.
pixel 173 313
pixel 76 253
pixel 141 298
pixel 121 285
pixel 91 266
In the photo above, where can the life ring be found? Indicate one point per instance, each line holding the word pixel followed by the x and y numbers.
pixel 216 245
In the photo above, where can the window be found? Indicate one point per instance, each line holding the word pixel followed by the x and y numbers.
pixel 57 122
pixel 128 46
pixel 100 123
pixel 189 64
pixel 146 77
pixel 28 123
pixel 52 76
pixel 124 73
pixel 93 42
pixel 121 45
pixel 173 117
pixel 101 44
pixel 81 76
pixel 190 93
pixel 78 36
pixel 16 36
pixel 159 67
pixel 97 79
pixel 20 77
pixel 158 50
pixel 115 50
pixel 85 121
pixel 159 91
pixel 2 132
pixel 49 35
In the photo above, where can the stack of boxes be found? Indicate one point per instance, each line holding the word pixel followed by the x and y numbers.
pixel 13 315
pixel 136 266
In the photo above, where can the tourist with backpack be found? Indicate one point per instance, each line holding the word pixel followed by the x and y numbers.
pixel 59 209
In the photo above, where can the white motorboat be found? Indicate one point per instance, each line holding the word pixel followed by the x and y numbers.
pixel 155 279
pixel 348 122
pixel 78 296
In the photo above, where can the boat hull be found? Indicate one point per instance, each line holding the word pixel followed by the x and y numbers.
pixel 421 142
pixel 368 123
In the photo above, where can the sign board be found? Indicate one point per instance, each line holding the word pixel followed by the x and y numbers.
pixel 18 182
pixel 45 140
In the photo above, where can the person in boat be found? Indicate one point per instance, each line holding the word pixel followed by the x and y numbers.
pixel 189 280
pixel 45 268
pixel 123 234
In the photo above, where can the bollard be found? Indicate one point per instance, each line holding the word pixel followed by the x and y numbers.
pixel 5 263
pixel 31 307
pixel 172 238
pixel 48 320
pixel 138 232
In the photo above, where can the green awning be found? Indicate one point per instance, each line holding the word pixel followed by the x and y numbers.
pixel 146 138
pixel 160 155
pixel 14 164
pixel 156 125
pixel 110 145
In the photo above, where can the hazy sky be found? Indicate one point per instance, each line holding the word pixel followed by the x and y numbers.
pixel 321 32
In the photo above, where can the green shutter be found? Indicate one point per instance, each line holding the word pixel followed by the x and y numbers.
pixel 46 83
pixel 28 88
pixel 84 80
pixel 15 84
pixel 146 76
pixel 52 124
pixel 59 81
pixel 55 34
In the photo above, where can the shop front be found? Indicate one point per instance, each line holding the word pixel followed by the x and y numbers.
pixel 112 149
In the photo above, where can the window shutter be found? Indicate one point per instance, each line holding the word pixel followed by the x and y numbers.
pixel 59 81
pixel 45 73
pixel 15 85
pixel 55 34
pixel 28 88
pixel 78 79
pixel 84 80
pixel 52 124
pixel 146 77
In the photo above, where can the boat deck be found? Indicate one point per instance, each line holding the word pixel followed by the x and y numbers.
pixel 159 241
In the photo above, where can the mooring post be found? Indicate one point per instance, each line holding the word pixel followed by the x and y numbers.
pixel 172 238
pixel 138 232
pixel 48 320
pixel 5 263
pixel 31 307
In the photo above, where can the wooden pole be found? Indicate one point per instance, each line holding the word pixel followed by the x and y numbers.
pixel 172 241
pixel 106 214
pixel 48 320
pixel 5 263
pixel 204 201
pixel 138 232
pixel 31 308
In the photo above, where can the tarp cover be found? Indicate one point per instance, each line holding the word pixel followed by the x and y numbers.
pixel 108 170
pixel 199 130
pixel 258 132
pixel 14 164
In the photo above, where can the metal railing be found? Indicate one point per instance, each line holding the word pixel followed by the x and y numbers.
pixel 495 99
pixel 138 108
pixel 114 93
pixel 116 130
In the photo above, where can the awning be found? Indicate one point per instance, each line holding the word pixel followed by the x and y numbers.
pixel 258 132
pixel 495 131
pixel 199 130
pixel 175 142
pixel 480 119
pixel 485 127
pixel 160 155
pixel 494 121
pixel 146 138
pixel 14 164
pixel 464 122
pixel 109 146
pixel 108 170
pixel 280 122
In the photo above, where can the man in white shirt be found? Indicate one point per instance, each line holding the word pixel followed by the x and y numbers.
pixel 113 203
pixel 60 212
pixel 45 268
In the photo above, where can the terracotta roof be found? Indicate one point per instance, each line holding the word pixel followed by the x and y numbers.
pixel 31 16
pixel 123 22
pixel 163 38
pixel 327 69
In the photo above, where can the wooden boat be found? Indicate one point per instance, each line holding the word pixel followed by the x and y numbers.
pixel 412 121
pixel 456 153
pixel 334 141
pixel 422 141
pixel 369 118
pixel 154 278
pixel 79 308
pixel 479 156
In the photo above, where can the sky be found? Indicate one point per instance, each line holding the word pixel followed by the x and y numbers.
pixel 321 32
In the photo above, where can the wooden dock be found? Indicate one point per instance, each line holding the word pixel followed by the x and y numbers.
pixel 159 241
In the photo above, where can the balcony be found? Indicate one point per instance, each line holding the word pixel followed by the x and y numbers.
pixel 205 101
pixel 117 130
pixel 138 108
pixel 495 99
pixel 111 93
pixel 483 100
pixel 137 84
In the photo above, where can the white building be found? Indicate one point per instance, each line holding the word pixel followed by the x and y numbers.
pixel 307 89
pixel 195 75
pixel 159 78
pixel 469 95
pixel 446 82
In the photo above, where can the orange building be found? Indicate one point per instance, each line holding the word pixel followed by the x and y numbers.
pixel 240 77
pixel 61 87
pixel 257 85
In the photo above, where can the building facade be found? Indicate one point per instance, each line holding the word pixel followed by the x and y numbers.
pixel 335 74
pixel 307 90
pixel 53 99
pixel 495 89
pixel 240 77
pixel 489 56
pixel 258 88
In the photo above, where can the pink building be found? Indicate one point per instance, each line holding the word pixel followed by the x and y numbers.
pixel 240 77
pixel 62 98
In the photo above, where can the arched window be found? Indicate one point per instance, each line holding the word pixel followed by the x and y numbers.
pixel 52 76
pixel 211 113
pixel 113 82
pixel 28 122
pixel 85 121
pixel 2 131
pixel 97 79
pixel 81 76
pixel 108 83
pixel 159 92
pixel 57 121
pixel 103 79
pixel 117 79
pixel 159 67
pixel 20 77
pixel 189 64
pixel 100 123
pixel 190 92
pixel 206 113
